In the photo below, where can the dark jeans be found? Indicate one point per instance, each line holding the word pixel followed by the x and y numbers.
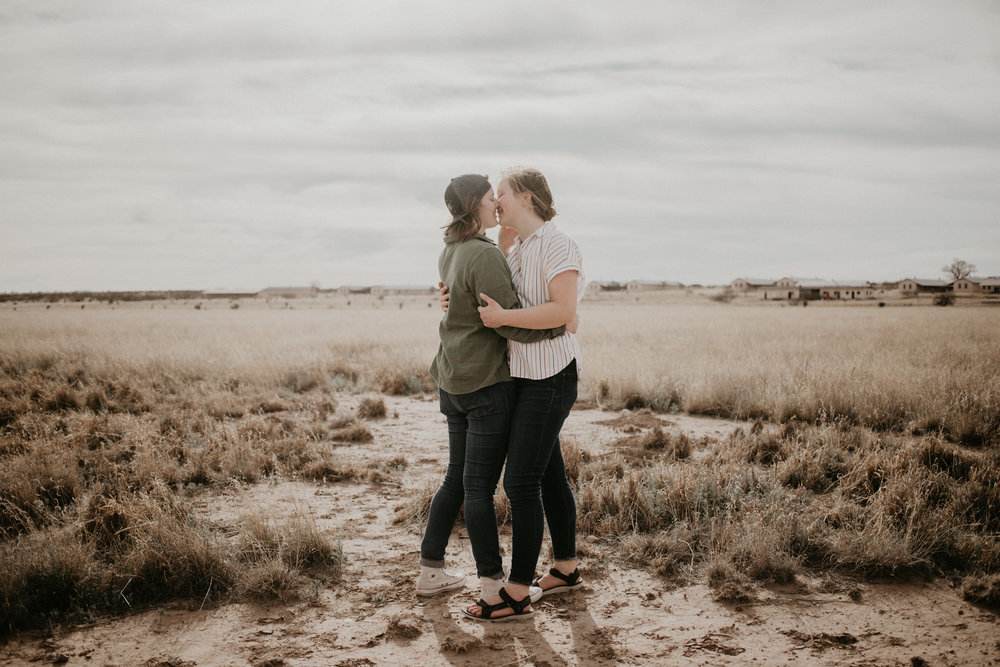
pixel 478 429
pixel 536 475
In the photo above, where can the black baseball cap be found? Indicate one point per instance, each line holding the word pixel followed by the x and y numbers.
pixel 461 190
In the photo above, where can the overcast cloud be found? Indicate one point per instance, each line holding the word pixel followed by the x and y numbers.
pixel 191 145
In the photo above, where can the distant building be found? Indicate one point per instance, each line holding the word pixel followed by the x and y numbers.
pixel 402 290
pixel 596 286
pixel 847 290
pixel 811 289
pixel 914 286
pixel 751 284
pixel 652 286
pixel 229 294
pixel 973 286
pixel 989 285
pixel 288 292
pixel 345 290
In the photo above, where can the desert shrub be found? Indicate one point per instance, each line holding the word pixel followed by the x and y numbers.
pixel 573 458
pixel 725 296
pixel 944 299
pixel 44 574
pixel 816 467
pixel 982 589
pixel 760 445
pixel 728 584
pixel 401 382
pixel 668 553
pixel 371 408
pixel 303 380
pixel 272 405
pixel 61 400
pixel 173 558
pixel 295 540
pixel 415 509
pixel 657 443
pixel 613 507
pixel 33 486
pixel 269 580
pixel 758 546
pixel 352 431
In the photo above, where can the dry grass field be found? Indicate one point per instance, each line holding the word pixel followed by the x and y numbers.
pixel 862 443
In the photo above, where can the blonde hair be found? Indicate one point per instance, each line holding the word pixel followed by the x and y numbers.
pixel 526 180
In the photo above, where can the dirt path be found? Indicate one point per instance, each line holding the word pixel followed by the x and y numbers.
pixel 624 616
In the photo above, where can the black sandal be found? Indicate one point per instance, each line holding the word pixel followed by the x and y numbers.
pixel 507 602
pixel 573 582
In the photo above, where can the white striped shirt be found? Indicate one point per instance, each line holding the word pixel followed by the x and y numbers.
pixel 534 262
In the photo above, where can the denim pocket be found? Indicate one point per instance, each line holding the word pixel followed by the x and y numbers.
pixel 486 401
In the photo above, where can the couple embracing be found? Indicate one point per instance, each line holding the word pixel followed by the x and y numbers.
pixel 506 370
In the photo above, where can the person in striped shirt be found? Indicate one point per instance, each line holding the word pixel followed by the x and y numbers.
pixel 547 270
pixel 475 388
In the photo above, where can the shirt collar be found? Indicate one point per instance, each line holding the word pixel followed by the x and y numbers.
pixel 449 238
pixel 540 232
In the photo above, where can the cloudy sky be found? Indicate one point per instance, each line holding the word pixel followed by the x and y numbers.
pixel 198 145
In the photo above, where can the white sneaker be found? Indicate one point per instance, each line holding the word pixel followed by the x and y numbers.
pixel 434 580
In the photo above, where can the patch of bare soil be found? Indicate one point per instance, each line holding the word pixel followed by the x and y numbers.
pixel 623 616
pixel 632 422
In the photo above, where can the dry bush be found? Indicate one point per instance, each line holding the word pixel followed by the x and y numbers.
pixel 272 405
pixel 612 507
pixel 33 486
pixel 371 408
pixel 353 431
pixel 759 545
pixel 764 445
pixel 414 511
pixel 295 540
pixel 61 400
pixel 668 553
pixel 328 470
pixel 573 458
pixel 983 589
pixel 729 584
pixel 403 382
pixel 43 575
pixel 268 580
pixel 303 380
pixel 655 443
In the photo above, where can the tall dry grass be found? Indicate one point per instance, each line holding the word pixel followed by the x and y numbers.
pixel 902 369
pixel 104 411
pixel 103 419
pixel 771 502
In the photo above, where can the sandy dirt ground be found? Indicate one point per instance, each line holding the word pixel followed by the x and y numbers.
pixel 623 616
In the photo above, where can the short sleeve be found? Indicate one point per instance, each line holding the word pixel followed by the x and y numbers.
pixel 562 255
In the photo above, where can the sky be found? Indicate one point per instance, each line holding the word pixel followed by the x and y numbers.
pixel 241 144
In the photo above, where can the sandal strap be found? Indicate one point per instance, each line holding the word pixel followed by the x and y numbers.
pixel 486 610
pixel 570 578
pixel 517 606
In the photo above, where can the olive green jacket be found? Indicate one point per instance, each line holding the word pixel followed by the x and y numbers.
pixel 471 355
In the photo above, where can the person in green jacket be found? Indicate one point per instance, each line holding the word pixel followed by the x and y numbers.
pixel 475 388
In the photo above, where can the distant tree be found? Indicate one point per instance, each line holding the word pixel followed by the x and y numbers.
pixel 959 269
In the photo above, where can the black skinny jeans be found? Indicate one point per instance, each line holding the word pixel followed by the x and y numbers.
pixel 478 430
pixel 535 475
